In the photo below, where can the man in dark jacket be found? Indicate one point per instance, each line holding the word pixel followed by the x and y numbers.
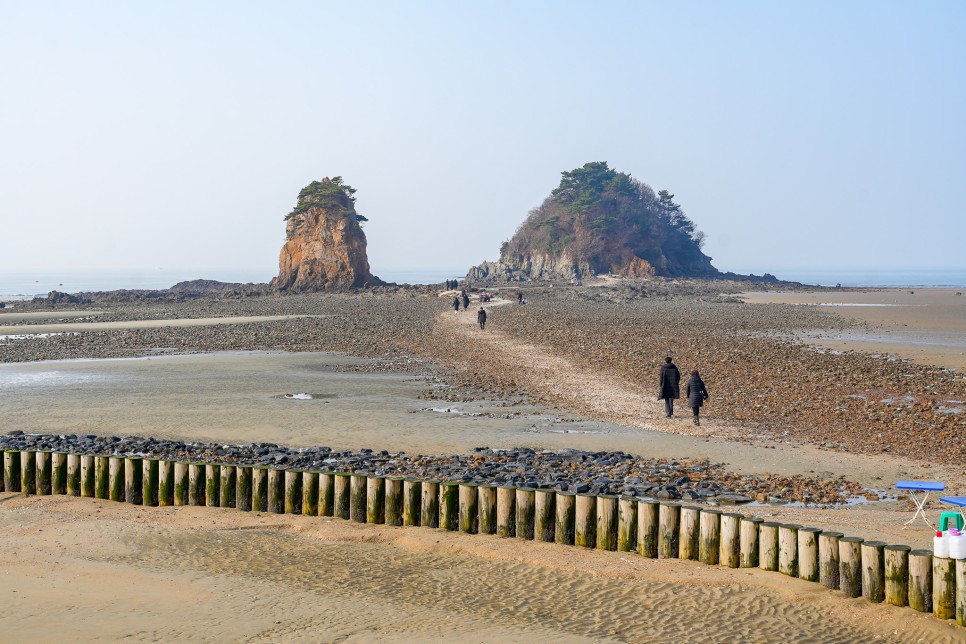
pixel 481 318
pixel 697 393
pixel 670 386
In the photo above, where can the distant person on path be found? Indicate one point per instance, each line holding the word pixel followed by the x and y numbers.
pixel 670 386
pixel 519 297
pixel 697 393
pixel 463 292
pixel 466 301
pixel 456 304
pixel 481 318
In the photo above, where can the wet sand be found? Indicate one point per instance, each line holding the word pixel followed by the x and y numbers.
pixel 76 327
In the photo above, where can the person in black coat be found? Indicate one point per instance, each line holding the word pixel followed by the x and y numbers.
pixel 697 393
pixel 466 301
pixel 456 304
pixel 481 318
pixel 670 386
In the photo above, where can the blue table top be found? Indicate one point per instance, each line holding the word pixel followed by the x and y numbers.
pixel 954 500
pixel 931 486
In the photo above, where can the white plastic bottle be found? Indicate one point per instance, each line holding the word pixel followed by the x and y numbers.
pixel 940 545
pixel 957 544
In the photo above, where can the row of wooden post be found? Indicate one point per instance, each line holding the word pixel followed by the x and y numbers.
pixel 881 573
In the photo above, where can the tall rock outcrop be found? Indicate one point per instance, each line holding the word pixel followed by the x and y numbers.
pixel 325 247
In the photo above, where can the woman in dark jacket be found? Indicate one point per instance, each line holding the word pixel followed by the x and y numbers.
pixel 670 386
pixel 697 393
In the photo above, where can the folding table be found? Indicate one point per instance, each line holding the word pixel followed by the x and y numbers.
pixel 958 501
pixel 920 486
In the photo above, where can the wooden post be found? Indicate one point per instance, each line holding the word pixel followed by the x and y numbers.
pixel 606 528
pixel 944 587
pixel 506 511
pixel 260 489
pixel 310 493
pixel 412 501
pixel 228 480
pixel 114 480
pixel 357 497
pixel 709 537
pixel 788 549
pixel 449 506
pixel 276 491
pixel 133 480
pixel 487 503
pixel 544 515
pixel 11 471
pixel 897 575
pixel 341 495
pixel 627 524
pixel 87 475
pixel 375 499
pixel 181 486
pixel 45 474
pixel 525 512
pixel 326 494
pixel 58 464
pixel 196 484
pixel 212 485
pixel 429 504
pixel 564 518
pixel 690 532
pixel 166 483
pixel 961 592
pixel 873 571
pixel 74 474
pixel 748 541
pixel 293 491
pixel 3 487
pixel 394 500
pixel 150 474
pixel 28 472
pixel 808 553
pixel 585 521
pixel 850 566
pixel 243 487
pixel 669 530
pixel 469 509
pixel 828 559
pixel 768 546
pixel 920 580
pixel 647 528
pixel 730 553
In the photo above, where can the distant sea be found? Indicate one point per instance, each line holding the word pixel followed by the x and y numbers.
pixel 23 285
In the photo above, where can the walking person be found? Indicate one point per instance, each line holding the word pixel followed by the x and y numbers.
pixel 481 318
pixel 456 304
pixel 466 301
pixel 670 386
pixel 697 393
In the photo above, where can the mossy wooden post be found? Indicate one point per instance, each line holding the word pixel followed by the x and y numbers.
pixel 544 515
pixel 87 475
pixel 748 541
pixel 788 549
pixel 506 511
pixel 166 483
pixel 341 494
pixel 920 580
pixel 565 518
pixel 525 512
pixel 293 491
pixel 45 474
pixel 850 566
pixel 196 484
pixel 212 485
pixel 768 546
pixel 28 472
pixel 228 480
pixel 873 571
pixel 897 575
pixel 133 480
pixel 960 591
pixel 243 487
pixel 944 587
pixel 627 524
pixel 276 491
pixel 429 504
pixel 376 499
pixel 3 487
pixel 150 479
pixel 585 521
pixel 394 500
pixel 73 474
pixel 11 471
pixel 310 494
pixel 668 530
pixel 412 501
pixel 709 537
pixel 181 484
pixel 357 497
pixel 326 494
pixel 730 553
pixel 487 502
pixel 260 489
pixel 828 559
pixel 606 527
pixel 469 508
pixel 449 506
pixel 104 483
pixel 647 528
pixel 58 464
pixel 808 553
pixel 690 532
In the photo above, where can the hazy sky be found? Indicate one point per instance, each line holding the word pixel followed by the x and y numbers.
pixel 178 134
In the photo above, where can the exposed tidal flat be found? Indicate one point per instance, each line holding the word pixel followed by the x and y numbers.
pixel 575 369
